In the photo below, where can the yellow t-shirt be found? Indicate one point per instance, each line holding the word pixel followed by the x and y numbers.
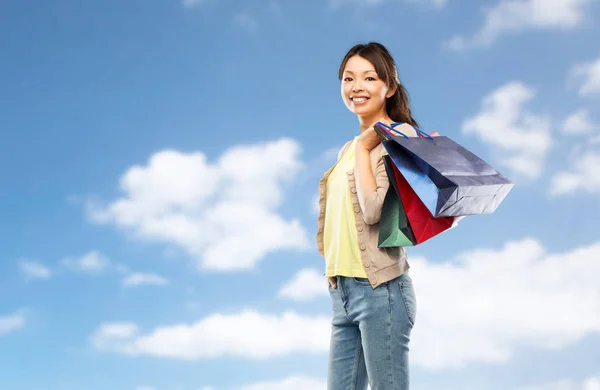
pixel 340 242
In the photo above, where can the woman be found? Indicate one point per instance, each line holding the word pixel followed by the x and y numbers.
pixel 374 303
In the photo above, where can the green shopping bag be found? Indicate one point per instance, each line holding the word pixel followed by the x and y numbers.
pixel 394 229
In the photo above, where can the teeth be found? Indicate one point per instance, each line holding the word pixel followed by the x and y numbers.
pixel 362 99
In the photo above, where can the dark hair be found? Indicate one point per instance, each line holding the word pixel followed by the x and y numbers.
pixel 397 106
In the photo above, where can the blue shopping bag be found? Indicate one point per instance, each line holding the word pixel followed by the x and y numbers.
pixel 449 179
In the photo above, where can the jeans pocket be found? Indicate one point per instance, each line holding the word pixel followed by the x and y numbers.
pixel 362 281
pixel 410 300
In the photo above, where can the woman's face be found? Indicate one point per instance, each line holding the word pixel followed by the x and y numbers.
pixel 364 93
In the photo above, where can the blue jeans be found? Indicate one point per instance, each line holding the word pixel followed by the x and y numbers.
pixel 370 334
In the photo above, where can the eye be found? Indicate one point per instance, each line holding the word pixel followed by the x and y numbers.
pixel 370 78
pixel 348 79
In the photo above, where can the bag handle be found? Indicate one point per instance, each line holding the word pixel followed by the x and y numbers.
pixel 382 132
pixel 420 132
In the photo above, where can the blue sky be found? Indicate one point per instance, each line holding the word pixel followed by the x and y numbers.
pixel 159 165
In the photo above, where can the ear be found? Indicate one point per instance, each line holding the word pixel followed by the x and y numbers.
pixel 391 92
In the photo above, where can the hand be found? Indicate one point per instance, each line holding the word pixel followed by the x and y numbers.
pixel 333 282
pixel 369 138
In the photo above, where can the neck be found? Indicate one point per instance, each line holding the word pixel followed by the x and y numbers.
pixel 369 120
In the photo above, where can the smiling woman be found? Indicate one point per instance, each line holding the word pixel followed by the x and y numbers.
pixel 371 85
pixel 374 304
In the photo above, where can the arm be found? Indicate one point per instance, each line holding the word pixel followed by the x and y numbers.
pixel 370 189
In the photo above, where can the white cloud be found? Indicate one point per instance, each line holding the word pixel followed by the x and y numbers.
pixel 306 285
pixel 264 336
pixel 521 136
pixel 140 278
pixel 92 262
pixel 515 16
pixel 11 323
pixel 114 336
pixel 500 300
pixel 34 270
pixel 482 306
pixel 584 176
pixel 578 123
pixel 592 383
pixel 223 214
pixel 588 74
pixel 295 382
pixel 246 21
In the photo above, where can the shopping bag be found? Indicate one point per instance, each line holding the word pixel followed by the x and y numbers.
pixel 449 179
pixel 394 229
pixel 423 225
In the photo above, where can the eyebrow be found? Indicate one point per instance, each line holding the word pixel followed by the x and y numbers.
pixel 366 71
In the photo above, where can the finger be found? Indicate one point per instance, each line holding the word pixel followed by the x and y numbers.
pixel 333 282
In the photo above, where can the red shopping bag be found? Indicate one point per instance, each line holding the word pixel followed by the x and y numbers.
pixel 423 224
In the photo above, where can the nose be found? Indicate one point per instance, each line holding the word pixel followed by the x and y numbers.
pixel 356 87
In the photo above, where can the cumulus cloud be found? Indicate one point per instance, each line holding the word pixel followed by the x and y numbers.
pixel 11 323
pixel 264 336
pixel 114 336
pixel 224 214
pixel 583 176
pixel 477 308
pixel 139 279
pixel 92 262
pixel 588 76
pixel 515 16
pixel 578 123
pixel 34 270
pixel 487 302
pixel 504 123
pixel 306 285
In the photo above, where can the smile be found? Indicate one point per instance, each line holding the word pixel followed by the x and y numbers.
pixel 358 99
